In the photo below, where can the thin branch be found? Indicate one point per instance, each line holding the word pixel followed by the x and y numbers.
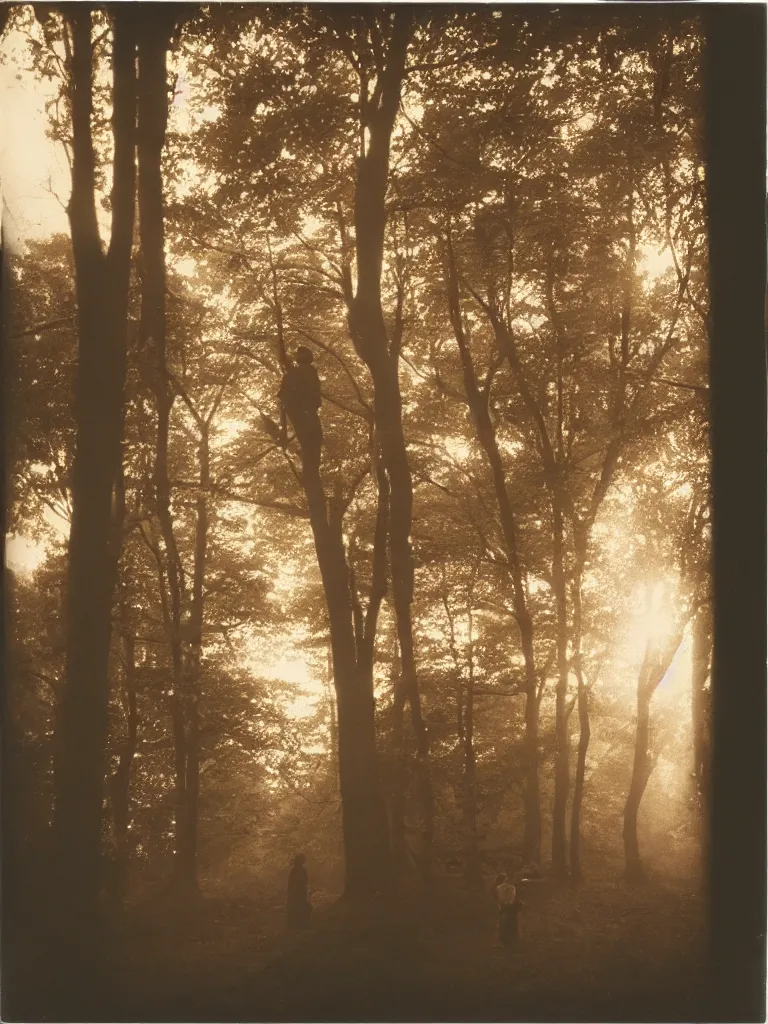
pixel 47 325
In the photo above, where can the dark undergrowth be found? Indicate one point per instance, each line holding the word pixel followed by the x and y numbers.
pixel 604 950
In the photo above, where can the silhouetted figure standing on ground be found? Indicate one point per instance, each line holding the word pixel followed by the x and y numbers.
pixel 301 400
pixel 299 907
pixel 509 908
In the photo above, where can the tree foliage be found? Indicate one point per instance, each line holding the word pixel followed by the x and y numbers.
pixel 514 429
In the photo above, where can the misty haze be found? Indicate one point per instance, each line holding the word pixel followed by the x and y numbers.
pixel 358 586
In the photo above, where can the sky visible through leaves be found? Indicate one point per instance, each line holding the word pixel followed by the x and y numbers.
pixel 634 585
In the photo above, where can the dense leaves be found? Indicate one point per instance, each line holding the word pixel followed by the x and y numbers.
pixel 545 246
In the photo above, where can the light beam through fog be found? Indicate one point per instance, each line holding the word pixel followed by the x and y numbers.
pixel 372 558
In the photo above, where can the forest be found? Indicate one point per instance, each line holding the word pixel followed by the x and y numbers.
pixel 358 507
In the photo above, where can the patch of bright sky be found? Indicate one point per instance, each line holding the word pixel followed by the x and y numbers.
pixel 285 659
pixel 26 554
pixel 457 447
pixel 227 431
pixel 186 266
pixel 509 447
pixel 34 173
pixel 651 618
pixel 35 185
pixel 655 262
pixel 22 554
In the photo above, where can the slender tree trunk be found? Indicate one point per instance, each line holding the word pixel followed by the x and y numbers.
pixel 552 470
pixel 400 774
pixel 101 284
pixel 364 821
pixel 701 713
pixel 562 738
pixel 701 657
pixel 532 798
pixel 581 764
pixel 472 872
pixel 153 117
pixel 651 673
pixel 372 342
pixel 119 782
pixel 734 74
pixel 583 709
pixel 186 851
pixel 185 859
pixel 478 403
pixel 532 792
pixel 641 770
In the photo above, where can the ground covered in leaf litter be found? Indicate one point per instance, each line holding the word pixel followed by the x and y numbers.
pixel 604 950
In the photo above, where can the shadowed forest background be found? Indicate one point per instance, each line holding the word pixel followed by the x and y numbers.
pixel 459 622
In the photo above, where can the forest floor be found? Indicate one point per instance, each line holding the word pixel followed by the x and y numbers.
pixel 603 950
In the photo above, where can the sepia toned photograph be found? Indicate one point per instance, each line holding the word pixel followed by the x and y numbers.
pixel 384 485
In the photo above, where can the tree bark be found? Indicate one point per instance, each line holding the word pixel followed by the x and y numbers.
pixel 186 849
pixel 472 871
pixel 641 771
pixel 562 737
pixel 582 699
pixel 555 466
pixel 368 861
pixel 554 473
pixel 652 671
pixel 478 403
pixel 120 780
pixel 400 774
pixel 371 339
pixel 534 686
pixel 578 784
pixel 734 76
pixel 701 715
pixel 101 285
pixel 700 705
pixel 154 42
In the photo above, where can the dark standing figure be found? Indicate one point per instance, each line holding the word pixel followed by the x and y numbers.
pixel 301 400
pixel 299 907
pixel 509 908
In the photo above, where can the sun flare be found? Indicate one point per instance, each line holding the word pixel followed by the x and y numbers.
pixel 360 528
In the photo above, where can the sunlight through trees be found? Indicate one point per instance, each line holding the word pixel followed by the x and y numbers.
pixel 459 619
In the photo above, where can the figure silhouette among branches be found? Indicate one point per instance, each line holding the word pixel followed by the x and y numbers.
pixel 301 400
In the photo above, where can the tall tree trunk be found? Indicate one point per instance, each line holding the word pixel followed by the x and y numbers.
pixel 562 738
pixel 700 707
pixel 478 403
pixel 701 715
pixel 186 850
pixel 641 770
pixel 333 755
pixel 532 791
pixel 554 474
pixel 119 782
pixel 552 471
pixel 154 42
pixel 372 342
pixel 581 765
pixel 532 799
pixel 368 865
pixel 400 773
pixel 582 705
pixel 735 70
pixel 652 671
pixel 472 872
pixel 101 285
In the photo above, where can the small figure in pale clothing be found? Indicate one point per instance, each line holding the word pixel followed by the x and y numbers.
pixel 509 907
